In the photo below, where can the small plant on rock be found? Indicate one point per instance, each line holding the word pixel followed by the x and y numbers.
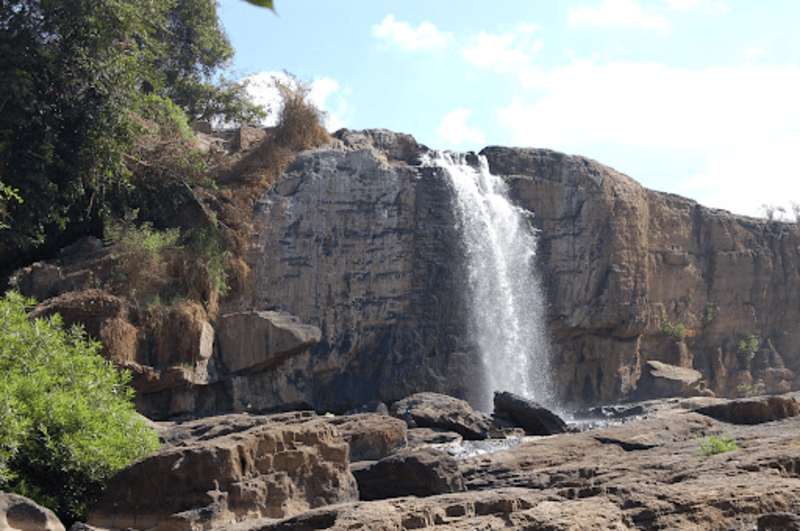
pixel 749 390
pixel 711 311
pixel 749 345
pixel 671 329
pixel 715 445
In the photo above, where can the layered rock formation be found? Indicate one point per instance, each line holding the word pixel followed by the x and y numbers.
pixel 356 249
pixel 359 239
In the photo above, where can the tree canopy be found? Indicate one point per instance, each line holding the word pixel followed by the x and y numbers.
pixel 75 74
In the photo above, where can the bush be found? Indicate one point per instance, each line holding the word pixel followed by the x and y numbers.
pixel 140 271
pixel 67 423
pixel 671 329
pixel 749 345
pixel 715 445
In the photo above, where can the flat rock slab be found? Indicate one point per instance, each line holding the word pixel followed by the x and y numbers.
pixel 753 410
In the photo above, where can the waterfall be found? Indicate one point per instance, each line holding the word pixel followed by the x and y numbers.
pixel 506 314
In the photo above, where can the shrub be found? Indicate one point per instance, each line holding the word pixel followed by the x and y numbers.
pixel 749 345
pixel 711 311
pixel 671 329
pixel 67 423
pixel 140 271
pixel 749 390
pixel 715 445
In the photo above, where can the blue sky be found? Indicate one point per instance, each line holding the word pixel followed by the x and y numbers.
pixel 695 97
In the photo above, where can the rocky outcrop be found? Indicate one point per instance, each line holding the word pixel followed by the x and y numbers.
pixel 358 238
pixel 273 469
pixel 254 341
pixel 648 294
pixel 18 513
pixel 644 474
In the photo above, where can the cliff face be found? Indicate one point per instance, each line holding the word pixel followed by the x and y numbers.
pixel 626 268
pixel 359 240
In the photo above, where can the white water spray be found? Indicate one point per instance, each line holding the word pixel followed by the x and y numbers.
pixel 507 306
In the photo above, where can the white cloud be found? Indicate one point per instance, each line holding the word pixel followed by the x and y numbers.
pixel 324 93
pixel 708 6
pixel 739 126
pixel 652 105
pixel 745 178
pixel 507 52
pixel 424 37
pixel 755 51
pixel 618 13
pixel 453 131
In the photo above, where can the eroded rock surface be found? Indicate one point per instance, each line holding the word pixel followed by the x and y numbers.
pixel 273 469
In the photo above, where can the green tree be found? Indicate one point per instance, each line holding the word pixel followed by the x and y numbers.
pixel 75 74
pixel 67 423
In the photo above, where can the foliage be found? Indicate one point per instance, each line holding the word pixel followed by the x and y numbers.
pixel 67 423
pixel 671 329
pixel 6 194
pixel 77 77
pixel 711 311
pixel 263 3
pixel 749 345
pixel 141 267
pixel 749 390
pixel 715 445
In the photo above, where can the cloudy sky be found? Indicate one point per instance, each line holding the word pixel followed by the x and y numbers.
pixel 695 97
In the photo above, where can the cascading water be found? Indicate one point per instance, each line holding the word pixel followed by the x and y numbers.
pixel 507 306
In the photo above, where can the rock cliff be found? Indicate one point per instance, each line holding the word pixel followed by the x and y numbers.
pixel 359 295
pixel 359 239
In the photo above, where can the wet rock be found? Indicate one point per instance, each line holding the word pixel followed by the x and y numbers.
pixel 528 415
pixel 18 513
pixel 433 410
pixel 413 472
pixel 753 410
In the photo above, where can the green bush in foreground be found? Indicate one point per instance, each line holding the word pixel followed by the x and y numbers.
pixel 67 423
pixel 715 445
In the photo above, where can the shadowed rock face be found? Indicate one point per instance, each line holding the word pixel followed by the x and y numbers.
pixel 360 240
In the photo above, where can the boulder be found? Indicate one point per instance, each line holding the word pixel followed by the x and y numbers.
pixel 371 436
pixel 753 410
pixel 528 415
pixel 247 137
pixel 413 472
pixel 254 341
pixel 434 410
pixel 662 380
pixel 18 513
pixel 276 469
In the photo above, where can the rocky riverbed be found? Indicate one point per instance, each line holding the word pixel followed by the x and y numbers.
pixel 303 471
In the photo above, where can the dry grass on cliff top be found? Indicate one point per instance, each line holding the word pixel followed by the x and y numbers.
pixel 300 127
